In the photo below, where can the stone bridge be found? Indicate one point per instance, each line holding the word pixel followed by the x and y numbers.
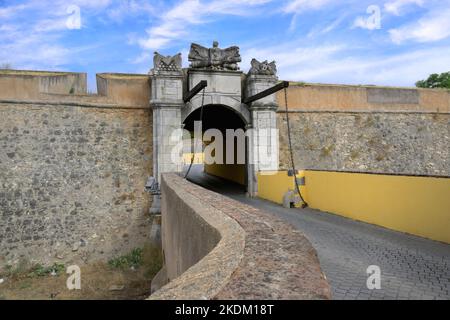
pixel 218 248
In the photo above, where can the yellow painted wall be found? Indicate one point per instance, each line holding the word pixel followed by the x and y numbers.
pixel 414 205
pixel 198 158
pixel 232 172
pixel 235 173
pixel 273 185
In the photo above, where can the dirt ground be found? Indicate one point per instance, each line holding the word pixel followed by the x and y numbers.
pixel 99 281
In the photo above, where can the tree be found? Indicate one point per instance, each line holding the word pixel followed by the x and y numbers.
pixel 435 81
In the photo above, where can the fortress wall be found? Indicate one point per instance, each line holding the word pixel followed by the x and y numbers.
pixel 125 89
pixel 367 129
pixel 341 133
pixel 19 84
pixel 131 90
pixel 72 176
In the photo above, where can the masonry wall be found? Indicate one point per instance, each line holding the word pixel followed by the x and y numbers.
pixel 362 148
pixel 72 181
pixel 365 129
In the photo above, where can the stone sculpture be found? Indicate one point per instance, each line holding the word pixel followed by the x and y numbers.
pixel 167 63
pixel 214 58
pixel 263 68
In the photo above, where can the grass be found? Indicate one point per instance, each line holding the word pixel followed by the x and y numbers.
pixel 134 271
pixel 149 258
pixel 11 272
pixel 41 271
pixel 132 260
pixel 25 285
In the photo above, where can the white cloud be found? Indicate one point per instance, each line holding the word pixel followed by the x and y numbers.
pixel 344 64
pixel 176 22
pixel 294 62
pixel 8 12
pixel 362 22
pixel 129 8
pixel 33 31
pixel 395 7
pixel 296 6
pixel 434 26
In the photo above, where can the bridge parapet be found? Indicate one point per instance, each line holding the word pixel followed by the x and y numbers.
pixel 218 248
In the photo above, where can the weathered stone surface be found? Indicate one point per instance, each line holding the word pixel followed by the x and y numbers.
pixel 166 63
pixel 263 68
pixel 397 143
pixel 77 177
pixel 401 96
pixel 214 58
pixel 202 246
pixel 277 261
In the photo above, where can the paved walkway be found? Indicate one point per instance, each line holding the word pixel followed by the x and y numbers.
pixel 411 267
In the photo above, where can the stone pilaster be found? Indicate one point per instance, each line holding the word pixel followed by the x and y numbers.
pixel 166 102
pixel 263 139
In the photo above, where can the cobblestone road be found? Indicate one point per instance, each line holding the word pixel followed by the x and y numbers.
pixel 411 267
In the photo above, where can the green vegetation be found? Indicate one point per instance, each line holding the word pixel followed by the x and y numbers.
pixel 435 81
pixel 132 260
pixel 41 271
pixel 36 270
pixel 149 258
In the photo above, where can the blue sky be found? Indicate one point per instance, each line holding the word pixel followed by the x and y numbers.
pixel 327 41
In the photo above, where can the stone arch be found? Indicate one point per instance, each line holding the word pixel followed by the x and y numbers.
pixel 223 118
pixel 228 102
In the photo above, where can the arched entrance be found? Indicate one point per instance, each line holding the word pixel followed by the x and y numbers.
pixel 223 131
pixel 174 107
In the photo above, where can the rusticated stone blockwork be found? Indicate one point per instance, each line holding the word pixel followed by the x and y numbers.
pixel 72 181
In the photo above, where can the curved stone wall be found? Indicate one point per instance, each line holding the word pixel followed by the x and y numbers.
pixel 241 252
pixel 202 246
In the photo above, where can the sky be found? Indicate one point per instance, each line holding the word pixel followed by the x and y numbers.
pixel 390 42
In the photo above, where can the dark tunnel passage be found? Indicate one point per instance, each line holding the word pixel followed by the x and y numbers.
pixel 222 118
